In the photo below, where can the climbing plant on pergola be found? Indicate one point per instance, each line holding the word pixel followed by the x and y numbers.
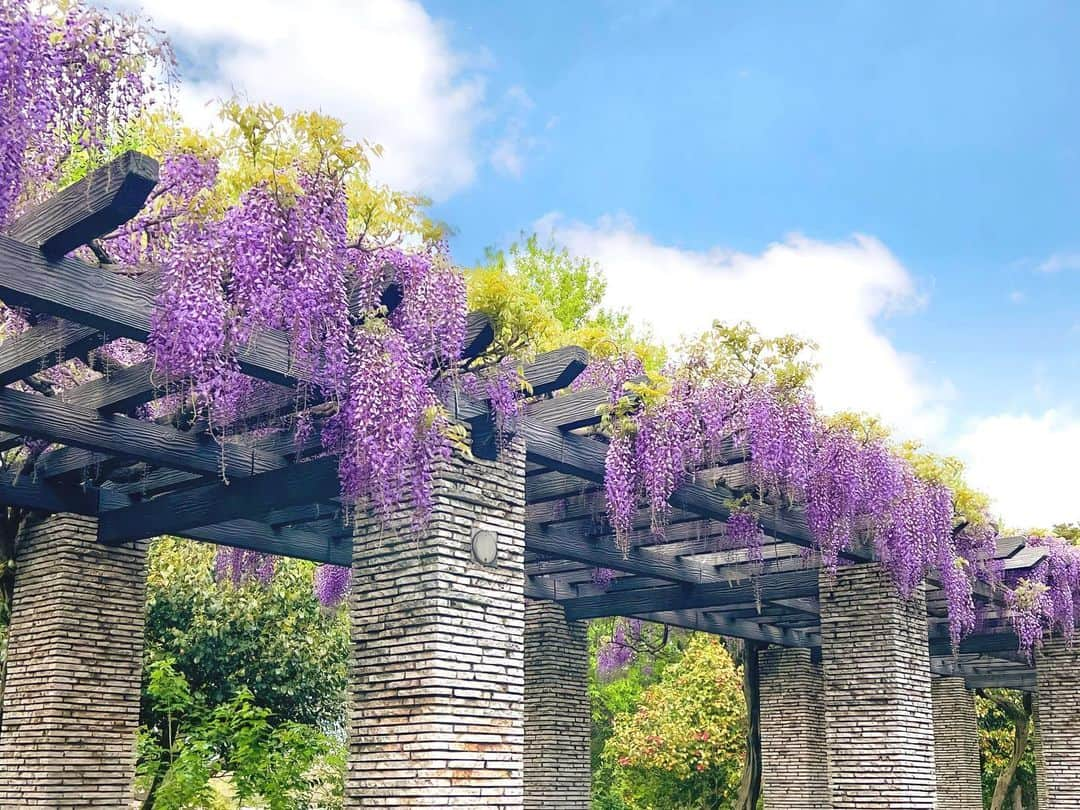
pixel 281 495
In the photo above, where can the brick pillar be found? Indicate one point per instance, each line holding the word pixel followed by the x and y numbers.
pixel 558 720
pixel 1057 684
pixel 794 775
pixel 956 746
pixel 437 673
pixel 879 720
pixel 71 699
pixel 1040 769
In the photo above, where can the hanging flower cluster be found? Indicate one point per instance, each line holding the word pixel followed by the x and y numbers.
pixel 1046 599
pixel 331 584
pixel 237 565
pixel 620 650
pixel 71 75
pixel 281 259
pixel 850 488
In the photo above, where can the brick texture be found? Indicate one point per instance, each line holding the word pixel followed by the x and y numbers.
pixel 558 770
pixel 1057 682
pixel 794 771
pixel 437 672
pixel 956 746
pixel 879 721
pixel 71 700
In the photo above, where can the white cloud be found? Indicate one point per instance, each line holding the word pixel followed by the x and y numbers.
pixel 508 156
pixel 1027 464
pixel 384 66
pixel 835 293
pixel 1060 261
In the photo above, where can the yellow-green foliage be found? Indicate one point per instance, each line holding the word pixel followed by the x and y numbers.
pixel 262 143
pixel 742 356
pixel 541 298
pixel 683 748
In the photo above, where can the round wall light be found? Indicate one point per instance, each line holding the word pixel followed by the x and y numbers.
pixel 485 546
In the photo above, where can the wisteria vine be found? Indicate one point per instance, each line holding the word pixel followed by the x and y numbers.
pixel 71 76
pixel 851 489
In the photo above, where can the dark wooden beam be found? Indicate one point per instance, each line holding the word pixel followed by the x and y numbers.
pixel 114 304
pixel 1004 641
pixel 563 452
pixel 256 536
pixel 555 369
pixel 172 513
pixel 479 332
pixel 721 625
pixel 653 562
pixel 554 486
pixel 570 411
pixel 43 346
pixel 22 490
pixel 676 597
pixel 574 409
pixel 96 205
pixel 79 427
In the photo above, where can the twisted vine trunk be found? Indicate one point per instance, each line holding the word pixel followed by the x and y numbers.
pixel 1022 724
pixel 750 786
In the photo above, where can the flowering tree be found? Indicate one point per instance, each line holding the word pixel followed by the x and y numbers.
pixel 683 746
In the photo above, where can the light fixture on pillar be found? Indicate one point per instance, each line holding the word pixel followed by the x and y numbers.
pixel 485 546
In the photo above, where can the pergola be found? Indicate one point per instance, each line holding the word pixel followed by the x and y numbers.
pixel 541 496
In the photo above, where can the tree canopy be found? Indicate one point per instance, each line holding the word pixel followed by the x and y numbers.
pixel 683 746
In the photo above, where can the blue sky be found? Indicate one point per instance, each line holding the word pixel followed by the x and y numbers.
pixel 897 180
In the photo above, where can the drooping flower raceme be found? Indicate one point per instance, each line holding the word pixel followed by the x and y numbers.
pixel 851 489
pixel 1046 599
pixel 71 75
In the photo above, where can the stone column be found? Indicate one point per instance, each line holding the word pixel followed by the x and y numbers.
pixel 437 673
pixel 794 774
pixel 558 720
pixel 71 698
pixel 956 746
pixel 879 720
pixel 1057 685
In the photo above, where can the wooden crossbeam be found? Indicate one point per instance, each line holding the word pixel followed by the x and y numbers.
pixel 49 418
pixel 575 409
pixel 22 490
pixel 1004 641
pixel 96 205
pixel 554 370
pixel 573 545
pixel 43 346
pixel 114 304
pixel 554 486
pixel 256 536
pixel 985 677
pixel 174 512
pixel 721 625
pixel 479 332
pixel 678 597
pixel 570 411
pixel 28 493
